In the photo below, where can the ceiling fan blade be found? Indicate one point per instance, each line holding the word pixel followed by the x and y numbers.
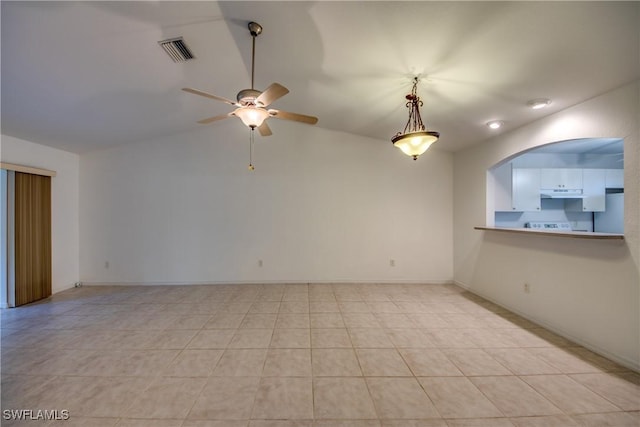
pixel 270 94
pixel 279 114
pixel 208 95
pixel 264 129
pixel 214 118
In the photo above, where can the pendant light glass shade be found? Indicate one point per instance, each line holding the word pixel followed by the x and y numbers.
pixel 415 139
pixel 415 143
pixel 252 116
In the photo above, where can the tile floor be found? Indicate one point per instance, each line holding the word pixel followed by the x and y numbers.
pixel 327 355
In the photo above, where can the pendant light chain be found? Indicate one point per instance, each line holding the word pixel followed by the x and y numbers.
pixel 414 124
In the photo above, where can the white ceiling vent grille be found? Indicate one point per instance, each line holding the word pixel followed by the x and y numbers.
pixel 176 49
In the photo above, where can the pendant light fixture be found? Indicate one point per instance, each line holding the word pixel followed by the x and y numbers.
pixel 415 139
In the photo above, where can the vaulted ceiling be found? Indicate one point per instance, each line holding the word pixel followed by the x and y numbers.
pixel 82 76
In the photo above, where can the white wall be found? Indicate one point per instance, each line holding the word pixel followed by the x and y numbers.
pixel 64 203
pixel 321 206
pixel 587 290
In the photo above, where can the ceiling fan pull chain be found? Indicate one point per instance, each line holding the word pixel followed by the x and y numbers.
pixel 251 168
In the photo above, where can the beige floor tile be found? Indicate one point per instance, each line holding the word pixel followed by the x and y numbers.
pixel 327 306
pixel 238 307
pixel 492 338
pixel 382 362
pixel 354 306
pixel 383 307
pixel 565 360
pixel 131 422
pixel 547 421
pixel 622 389
pixel 400 398
pixel 291 338
pixel 613 419
pixel 330 338
pixel 360 320
pixel 294 306
pixel 251 338
pixel 211 339
pixel 189 322
pixel 284 398
pixel 106 397
pixel 287 363
pixel 335 362
pixel 193 363
pixel 514 397
pixel 77 422
pixel 326 320
pixel 429 362
pixel 259 320
pixel 428 320
pixel 597 360
pixel 370 338
pixel 569 395
pixel 409 338
pixel 281 423
pixel 521 362
pixel 241 363
pixel 171 339
pixel 342 398
pixel 109 353
pixel 265 307
pixel 225 398
pixel 225 321
pixel 452 338
pixel 346 423
pixel 480 422
pixel 166 397
pixel 215 423
pixel 434 422
pixel 457 397
pixel 395 320
pixel 475 362
pixel 293 320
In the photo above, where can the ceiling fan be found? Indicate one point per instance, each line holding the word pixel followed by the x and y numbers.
pixel 251 105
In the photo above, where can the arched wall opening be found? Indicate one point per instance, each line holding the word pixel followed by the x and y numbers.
pixel 572 185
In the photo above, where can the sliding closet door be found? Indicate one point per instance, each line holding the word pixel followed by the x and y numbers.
pixel 32 237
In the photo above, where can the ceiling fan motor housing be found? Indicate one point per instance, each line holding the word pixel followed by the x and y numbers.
pixel 248 96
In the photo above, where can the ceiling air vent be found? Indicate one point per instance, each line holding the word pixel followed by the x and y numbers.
pixel 176 49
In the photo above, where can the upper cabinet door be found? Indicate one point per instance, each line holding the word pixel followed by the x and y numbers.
pixel 614 178
pixel 526 190
pixel 561 178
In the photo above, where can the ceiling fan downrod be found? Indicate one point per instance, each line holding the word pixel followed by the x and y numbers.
pixel 255 29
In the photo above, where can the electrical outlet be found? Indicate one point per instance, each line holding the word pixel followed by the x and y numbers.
pixel 392 262
pixel 259 263
pixel 527 288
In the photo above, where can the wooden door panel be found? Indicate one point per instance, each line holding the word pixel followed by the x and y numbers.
pixel 32 237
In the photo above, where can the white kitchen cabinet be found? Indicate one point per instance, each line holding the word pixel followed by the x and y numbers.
pixel 560 178
pixel 525 190
pixel 593 191
pixel 502 188
pixel 614 178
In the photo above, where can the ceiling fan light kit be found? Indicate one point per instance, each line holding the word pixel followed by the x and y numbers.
pixel 415 139
pixel 251 103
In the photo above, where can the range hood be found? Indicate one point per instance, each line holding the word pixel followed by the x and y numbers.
pixel 561 193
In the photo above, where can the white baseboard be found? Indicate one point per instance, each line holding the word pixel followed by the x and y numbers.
pixel 269 282
pixel 627 363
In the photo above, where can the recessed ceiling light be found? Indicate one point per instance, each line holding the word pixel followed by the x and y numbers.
pixel 539 103
pixel 495 124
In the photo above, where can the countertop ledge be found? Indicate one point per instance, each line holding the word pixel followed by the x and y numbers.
pixel 572 234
